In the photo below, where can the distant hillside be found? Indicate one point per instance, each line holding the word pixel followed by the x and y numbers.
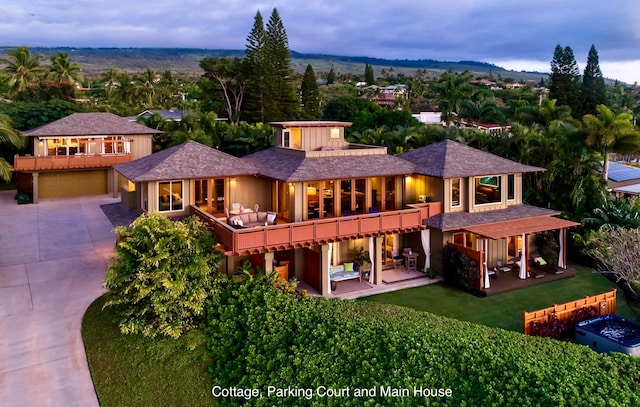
pixel 95 61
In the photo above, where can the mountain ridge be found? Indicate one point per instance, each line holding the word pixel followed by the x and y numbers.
pixel 96 60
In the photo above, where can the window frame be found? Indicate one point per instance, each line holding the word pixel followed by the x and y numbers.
pixel 171 199
pixel 476 184
pixel 511 187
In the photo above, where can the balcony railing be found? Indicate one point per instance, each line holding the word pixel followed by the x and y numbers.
pixel 285 236
pixel 67 162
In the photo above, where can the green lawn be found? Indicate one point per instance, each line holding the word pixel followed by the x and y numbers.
pixel 505 310
pixel 130 370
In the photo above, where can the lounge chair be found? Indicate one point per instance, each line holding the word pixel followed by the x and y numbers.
pixel 532 271
pixel 538 262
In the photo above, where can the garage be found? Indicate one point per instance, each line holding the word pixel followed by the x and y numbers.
pixel 73 183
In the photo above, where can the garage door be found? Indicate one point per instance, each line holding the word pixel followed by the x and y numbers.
pixel 75 183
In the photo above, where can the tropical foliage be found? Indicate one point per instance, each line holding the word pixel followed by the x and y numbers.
pixel 615 250
pixel 8 136
pixel 261 337
pixel 163 273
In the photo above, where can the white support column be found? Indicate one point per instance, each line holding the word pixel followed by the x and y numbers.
pixel 35 186
pixel 116 184
pixel 325 262
pixel 268 263
pixel 378 260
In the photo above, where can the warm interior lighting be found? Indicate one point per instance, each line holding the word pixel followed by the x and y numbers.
pixel 311 191
pixel 335 133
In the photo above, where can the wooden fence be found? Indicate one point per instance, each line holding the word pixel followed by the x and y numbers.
pixel 606 304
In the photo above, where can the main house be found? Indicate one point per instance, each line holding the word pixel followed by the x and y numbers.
pixel 74 155
pixel 313 201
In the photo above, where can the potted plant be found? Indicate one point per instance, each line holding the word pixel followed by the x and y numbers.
pixel 363 260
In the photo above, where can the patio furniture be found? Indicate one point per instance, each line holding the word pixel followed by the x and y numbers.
pixel 492 272
pixel 345 271
pixel 501 267
pixel 397 259
pixel 411 260
pixel 531 271
pixel 538 262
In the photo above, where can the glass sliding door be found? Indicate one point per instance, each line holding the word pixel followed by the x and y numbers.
pixel 360 195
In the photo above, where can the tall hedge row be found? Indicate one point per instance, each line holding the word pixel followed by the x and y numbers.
pixel 262 337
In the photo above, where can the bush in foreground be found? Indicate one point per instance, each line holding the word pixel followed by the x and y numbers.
pixel 162 274
pixel 261 337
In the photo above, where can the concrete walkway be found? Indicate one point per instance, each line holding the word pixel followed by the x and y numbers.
pixel 53 257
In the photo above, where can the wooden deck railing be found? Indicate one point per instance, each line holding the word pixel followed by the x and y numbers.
pixel 284 236
pixel 66 162
pixel 605 303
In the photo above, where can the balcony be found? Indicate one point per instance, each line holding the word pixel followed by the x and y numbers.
pixel 68 162
pixel 286 236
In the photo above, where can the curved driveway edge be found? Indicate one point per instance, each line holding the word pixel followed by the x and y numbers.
pixel 53 257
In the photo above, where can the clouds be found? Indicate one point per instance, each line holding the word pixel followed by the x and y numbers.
pixel 489 30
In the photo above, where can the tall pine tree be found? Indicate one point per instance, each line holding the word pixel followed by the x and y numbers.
pixel 284 103
pixel 259 72
pixel 594 92
pixel 309 94
pixel 368 74
pixel 564 81
pixel 331 76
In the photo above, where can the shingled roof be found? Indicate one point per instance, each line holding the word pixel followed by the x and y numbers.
pixel 460 220
pixel 90 124
pixel 187 161
pixel 296 168
pixel 449 159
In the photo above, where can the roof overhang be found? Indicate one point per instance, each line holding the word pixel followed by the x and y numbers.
pixel 537 224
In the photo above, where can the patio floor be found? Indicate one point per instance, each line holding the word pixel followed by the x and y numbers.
pixel 392 280
pixel 509 281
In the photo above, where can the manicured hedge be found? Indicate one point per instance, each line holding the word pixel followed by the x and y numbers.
pixel 262 337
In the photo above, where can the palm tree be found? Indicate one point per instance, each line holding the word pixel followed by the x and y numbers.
pixel 63 69
pixel 145 84
pixel 22 68
pixel 610 133
pixel 453 89
pixel 111 82
pixel 8 135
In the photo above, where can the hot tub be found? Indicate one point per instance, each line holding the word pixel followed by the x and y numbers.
pixel 610 333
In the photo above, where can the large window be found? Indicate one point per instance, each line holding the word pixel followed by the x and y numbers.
pixel 345 196
pixel 170 196
pixel 455 192
pixel 313 200
pixel 488 190
pixel 511 187
pixel 390 194
pixel 360 195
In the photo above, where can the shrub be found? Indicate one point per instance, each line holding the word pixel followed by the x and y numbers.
pixel 460 269
pixel 261 337
pixel 162 274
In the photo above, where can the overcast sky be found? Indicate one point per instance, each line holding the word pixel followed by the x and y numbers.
pixel 515 34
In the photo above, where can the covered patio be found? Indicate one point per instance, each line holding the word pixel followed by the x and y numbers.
pixel 504 282
pixel 393 280
pixel 523 263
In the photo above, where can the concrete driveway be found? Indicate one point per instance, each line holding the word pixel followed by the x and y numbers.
pixel 53 257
